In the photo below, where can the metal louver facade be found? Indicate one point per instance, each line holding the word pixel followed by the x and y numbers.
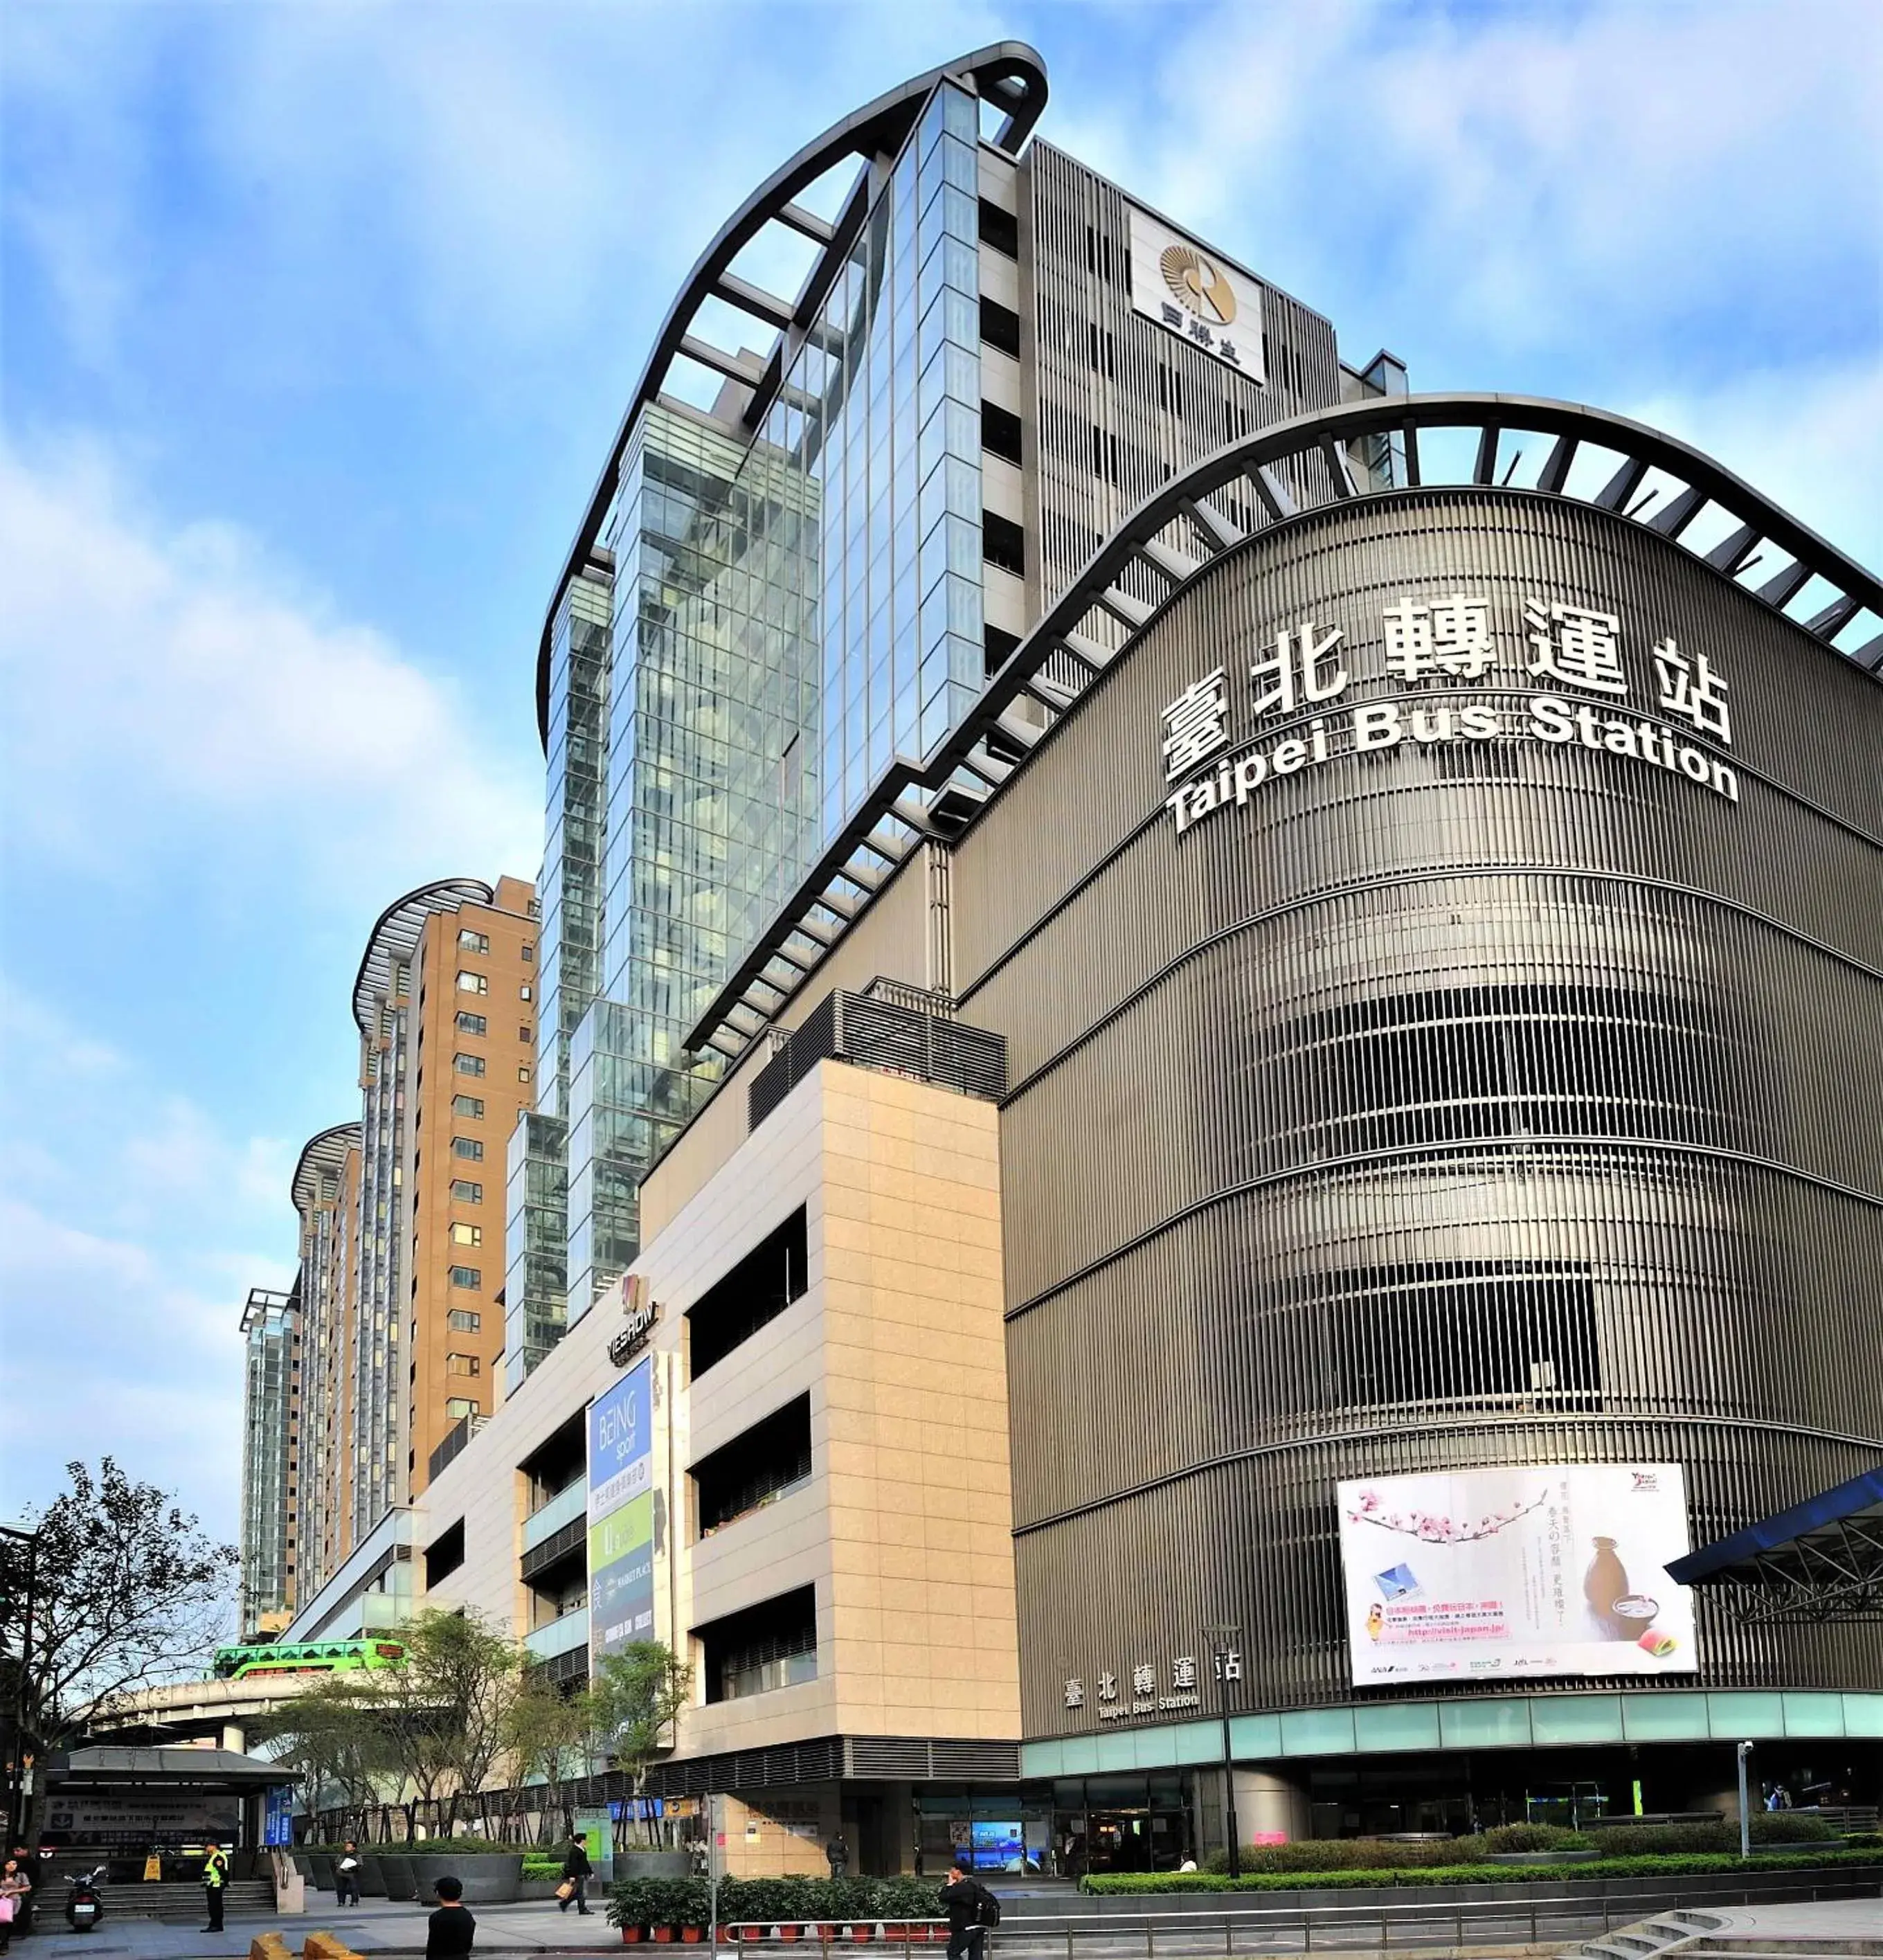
pixel 1461 1103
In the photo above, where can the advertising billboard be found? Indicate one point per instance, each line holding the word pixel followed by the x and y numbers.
pixel 1551 1569
pixel 620 1513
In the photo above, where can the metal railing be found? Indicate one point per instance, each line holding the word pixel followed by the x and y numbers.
pixel 1375 1926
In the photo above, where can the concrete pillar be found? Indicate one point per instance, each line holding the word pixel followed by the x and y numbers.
pixel 232 1738
pixel 1269 1801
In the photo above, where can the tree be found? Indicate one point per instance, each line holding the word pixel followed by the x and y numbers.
pixel 550 1734
pixel 331 1736
pixel 128 1592
pixel 444 1708
pixel 638 1694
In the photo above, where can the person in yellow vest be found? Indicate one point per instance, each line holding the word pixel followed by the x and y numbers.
pixel 215 1876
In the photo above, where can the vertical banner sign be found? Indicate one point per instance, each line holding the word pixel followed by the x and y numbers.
pixel 621 1514
pixel 278 1824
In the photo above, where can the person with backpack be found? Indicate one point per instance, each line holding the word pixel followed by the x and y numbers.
pixel 972 1909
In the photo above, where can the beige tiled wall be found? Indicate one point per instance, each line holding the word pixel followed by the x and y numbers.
pixel 904 1528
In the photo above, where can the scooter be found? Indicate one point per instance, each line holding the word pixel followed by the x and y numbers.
pixel 84 1907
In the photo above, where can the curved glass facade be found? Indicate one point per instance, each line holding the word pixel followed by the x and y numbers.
pixel 1485 1097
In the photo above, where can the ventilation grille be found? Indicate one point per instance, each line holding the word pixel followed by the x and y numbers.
pixel 922 1043
pixel 921 1758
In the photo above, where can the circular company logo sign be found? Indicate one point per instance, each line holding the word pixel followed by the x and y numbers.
pixel 1194 282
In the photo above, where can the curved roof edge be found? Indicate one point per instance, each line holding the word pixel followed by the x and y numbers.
pixel 324 1150
pixel 872 844
pixel 1010 73
pixel 395 935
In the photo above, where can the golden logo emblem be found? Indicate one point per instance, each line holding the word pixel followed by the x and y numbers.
pixel 1195 283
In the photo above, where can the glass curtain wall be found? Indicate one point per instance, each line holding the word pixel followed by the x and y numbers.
pixel 791 613
pixel 536 1283
pixel 273 1379
pixel 880 414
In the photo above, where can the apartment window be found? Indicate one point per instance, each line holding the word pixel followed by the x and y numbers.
pixel 469 1278
pixel 462 1406
pixel 472 983
pixel 998 644
pixel 445 1553
pixel 463 1321
pixel 468 1065
pixel 766 1647
pixel 1003 543
pixel 522 1032
pixel 473 942
pixel 467 1105
pixel 468 1147
pixel 1000 229
pixel 530 953
pixel 522 1072
pixel 1000 431
pixel 471 1024
pixel 467 1235
pixel 463 1191
pixel 462 1364
pixel 1000 326
pixel 524 992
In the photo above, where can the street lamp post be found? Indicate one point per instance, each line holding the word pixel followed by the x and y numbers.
pixel 1745 1818
pixel 16 1797
pixel 1229 1667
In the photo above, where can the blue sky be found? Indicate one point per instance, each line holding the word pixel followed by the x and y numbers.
pixel 317 320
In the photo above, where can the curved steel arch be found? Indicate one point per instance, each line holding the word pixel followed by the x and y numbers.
pixel 1010 73
pixel 396 933
pixel 890 823
pixel 324 1150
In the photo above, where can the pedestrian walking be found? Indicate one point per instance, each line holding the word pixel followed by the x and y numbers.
pixel 23 1905
pixel 215 1878
pixel 576 1872
pixel 972 1909
pixel 346 1875
pixel 14 1885
pixel 451 1930
pixel 838 1852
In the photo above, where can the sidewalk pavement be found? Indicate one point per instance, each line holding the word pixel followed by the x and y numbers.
pixel 375 1925
pixel 1851 1920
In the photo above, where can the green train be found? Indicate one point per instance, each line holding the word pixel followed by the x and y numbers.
pixel 244 1664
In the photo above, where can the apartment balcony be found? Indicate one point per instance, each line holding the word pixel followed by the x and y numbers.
pixel 568 1504
pixel 559 1637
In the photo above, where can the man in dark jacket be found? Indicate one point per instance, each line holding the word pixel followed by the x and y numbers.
pixel 970 1907
pixel 576 1869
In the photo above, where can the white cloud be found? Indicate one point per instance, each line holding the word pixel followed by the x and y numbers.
pixel 170 692
pixel 129 1230
pixel 1524 178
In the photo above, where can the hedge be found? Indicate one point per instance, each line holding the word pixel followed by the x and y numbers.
pixel 652 1902
pixel 1402 1872
pixel 1621 1839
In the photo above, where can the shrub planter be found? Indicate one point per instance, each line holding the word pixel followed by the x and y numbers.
pixel 323 1864
pixel 692 1935
pixel 664 1934
pixel 537 1888
pixel 631 1935
pixel 396 1868
pixel 371 1875
pixel 489 1878
pixel 1544 1857
pixel 787 1931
